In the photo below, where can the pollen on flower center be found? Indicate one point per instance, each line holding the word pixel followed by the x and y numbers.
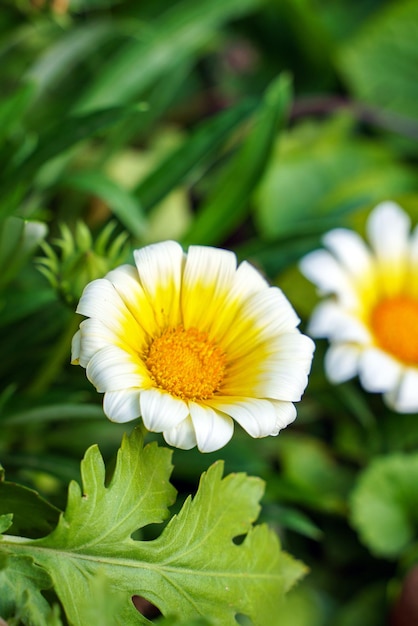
pixel 394 322
pixel 186 363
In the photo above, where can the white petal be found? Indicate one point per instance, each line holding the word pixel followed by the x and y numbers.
pixel 207 281
pixel 405 398
pixel 95 336
pixel 100 299
pixel 388 229
pixel 332 321
pixel 350 250
pixel 181 436
pixel 287 384
pixel 264 371
pixel 161 411
pixel 293 346
pixel 413 264
pixel 265 315
pixel 213 430
pixel 125 280
pixel 257 417
pixel 75 348
pixel 160 268
pixel 285 415
pixel 341 362
pixel 112 369
pixel 322 269
pixel 378 371
pixel 246 281
pixel 122 406
pixel 286 381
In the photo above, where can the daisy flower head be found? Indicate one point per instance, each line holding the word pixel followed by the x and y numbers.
pixel 191 342
pixel 371 315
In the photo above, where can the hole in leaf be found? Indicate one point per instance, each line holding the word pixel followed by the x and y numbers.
pixel 145 607
pixel 243 620
pixel 238 539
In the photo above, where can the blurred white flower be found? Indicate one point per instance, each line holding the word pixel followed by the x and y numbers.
pixel 371 318
pixel 190 341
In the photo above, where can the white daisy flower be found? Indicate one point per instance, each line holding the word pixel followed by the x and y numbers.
pixel 371 318
pixel 190 342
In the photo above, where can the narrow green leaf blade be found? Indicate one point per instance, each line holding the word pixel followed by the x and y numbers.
pixel 55 141
pixel 202 143
pixel 228 203
pixel 121 202
pixel 182 31
pixel 13 108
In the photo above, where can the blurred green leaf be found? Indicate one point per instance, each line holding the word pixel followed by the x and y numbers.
pixel 204 141
pixel 13 107
pixel 54 141
pixel 18 240
pixel 368 607
pixel 309 468
pixel 320 171
pixel 379 62
pixel 384 504
pixel 183 30
pixel 303 606
pixel 228 202
pixel 74 45
pixel 121 202
pixel 19 500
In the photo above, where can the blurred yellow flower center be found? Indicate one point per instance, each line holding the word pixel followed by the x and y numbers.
pixel 395 325
pixel 186 363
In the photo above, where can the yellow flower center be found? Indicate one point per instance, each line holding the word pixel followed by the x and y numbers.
pixel 186 363
pixel 395 325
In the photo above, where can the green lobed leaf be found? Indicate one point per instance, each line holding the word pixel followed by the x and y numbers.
pixel 384 504
pixel 21 582
pixel 193 569
pixel 228 202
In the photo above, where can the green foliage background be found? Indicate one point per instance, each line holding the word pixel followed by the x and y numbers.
pixel 249 124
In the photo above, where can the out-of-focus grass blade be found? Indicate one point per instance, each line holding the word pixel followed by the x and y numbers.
pixel 228 203
pixel 18 240
pixel 13 108
pixel 205 140
pixel 67 51
pixel 18 305
pixel 120 201
pixel 54 413
pixel 158 101
pixel 180 32
pixel 54 141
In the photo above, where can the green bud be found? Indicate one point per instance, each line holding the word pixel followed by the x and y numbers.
pixel 75 258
